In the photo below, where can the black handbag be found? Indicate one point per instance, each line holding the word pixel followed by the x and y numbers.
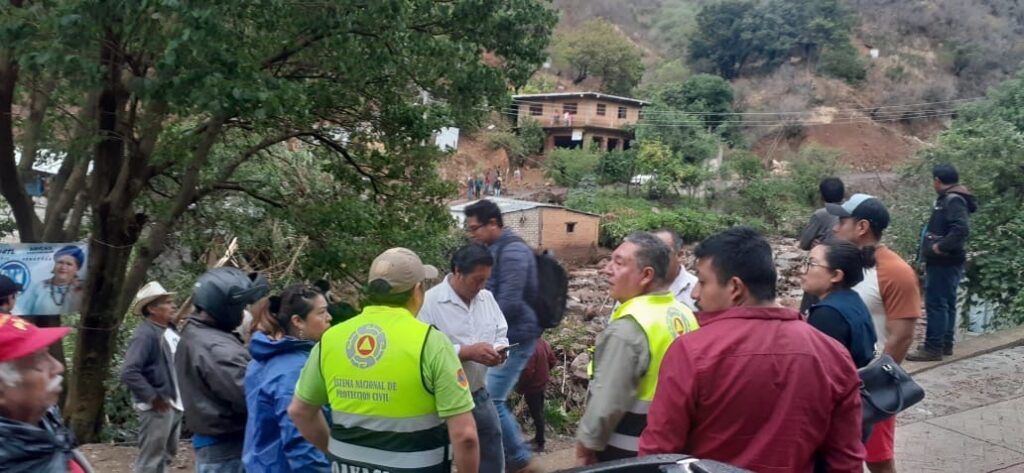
pixel 886 390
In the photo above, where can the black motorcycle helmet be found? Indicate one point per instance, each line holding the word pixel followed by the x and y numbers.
pixel 224 292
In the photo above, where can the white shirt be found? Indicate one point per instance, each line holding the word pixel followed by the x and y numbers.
pixel 683 286
pixel 171 338
pixel 481 321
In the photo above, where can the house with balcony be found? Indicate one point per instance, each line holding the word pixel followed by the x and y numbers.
pixel 572 119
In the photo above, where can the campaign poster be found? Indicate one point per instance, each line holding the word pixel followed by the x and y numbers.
pixel 51 275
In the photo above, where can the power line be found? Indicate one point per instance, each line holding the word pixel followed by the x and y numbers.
pixel 697 123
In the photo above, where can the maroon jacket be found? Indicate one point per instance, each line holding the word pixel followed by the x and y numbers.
pixel 758 388
pixel 535 375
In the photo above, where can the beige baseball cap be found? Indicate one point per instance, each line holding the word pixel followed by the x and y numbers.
pixel 401 268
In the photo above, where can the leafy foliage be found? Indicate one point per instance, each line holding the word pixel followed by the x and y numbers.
pixel 616 167
pixel 180 107
pixel 513 145
pixel 986 143
pixel 532 135
pixel 734 34
pixel 597 48
pixel 706 95
pixel 843 62
pixel 744 166
pixel 570 166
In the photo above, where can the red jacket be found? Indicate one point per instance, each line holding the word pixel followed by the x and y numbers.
pixel 535 375
pixel 758 388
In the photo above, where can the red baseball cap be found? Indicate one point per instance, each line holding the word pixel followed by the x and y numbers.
pixel 19 337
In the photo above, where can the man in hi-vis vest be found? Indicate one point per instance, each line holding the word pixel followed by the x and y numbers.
pixel 392 383
pixel 629 351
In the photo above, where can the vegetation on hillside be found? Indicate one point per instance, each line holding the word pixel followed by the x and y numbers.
pixel 596 48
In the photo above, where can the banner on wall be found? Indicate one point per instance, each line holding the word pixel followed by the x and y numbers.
pixel 52 276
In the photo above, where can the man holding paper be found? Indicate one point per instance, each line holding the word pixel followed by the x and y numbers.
pixel 466 312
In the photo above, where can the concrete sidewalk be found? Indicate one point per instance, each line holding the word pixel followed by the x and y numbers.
pixel 972 418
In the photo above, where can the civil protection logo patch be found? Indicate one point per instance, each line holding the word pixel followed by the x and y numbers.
pixel 461 377
pixel 674 320
pixel 366 345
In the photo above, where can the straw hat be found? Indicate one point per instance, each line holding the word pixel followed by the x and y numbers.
pixel 149 293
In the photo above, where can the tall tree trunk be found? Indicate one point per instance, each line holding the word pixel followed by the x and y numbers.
pixel 115 229
pixel 11 186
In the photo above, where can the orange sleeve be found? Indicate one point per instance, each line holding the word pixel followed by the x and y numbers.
pixel 897 281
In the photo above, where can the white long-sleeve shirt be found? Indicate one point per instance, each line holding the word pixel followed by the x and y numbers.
pixel 480 321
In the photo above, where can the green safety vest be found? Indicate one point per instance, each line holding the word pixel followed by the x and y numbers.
pixel 383 417
pixel 663 319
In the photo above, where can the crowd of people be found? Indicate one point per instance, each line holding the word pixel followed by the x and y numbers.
pixel 489 183
pixel 699 361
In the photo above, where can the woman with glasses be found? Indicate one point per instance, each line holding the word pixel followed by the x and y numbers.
pixel 285 331
pixel 830 272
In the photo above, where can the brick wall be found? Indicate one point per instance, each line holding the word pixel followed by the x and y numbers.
pixel 555 234
pixel 526 224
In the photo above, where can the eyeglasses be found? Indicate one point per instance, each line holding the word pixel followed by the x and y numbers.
pixel 808 263
pixel 473 228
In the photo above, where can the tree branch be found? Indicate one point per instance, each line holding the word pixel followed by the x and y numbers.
pixel 234 186
pixel 39 101
pixel 286 53
pixel 156 240
pixel 340 149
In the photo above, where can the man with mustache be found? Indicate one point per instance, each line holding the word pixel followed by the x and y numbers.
pixel 34 438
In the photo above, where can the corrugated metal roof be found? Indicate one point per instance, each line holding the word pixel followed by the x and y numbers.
pixel 507 205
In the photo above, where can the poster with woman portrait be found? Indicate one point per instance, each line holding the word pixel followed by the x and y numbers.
pixel 51 276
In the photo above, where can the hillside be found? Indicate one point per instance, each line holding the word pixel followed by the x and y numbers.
pixel 929 57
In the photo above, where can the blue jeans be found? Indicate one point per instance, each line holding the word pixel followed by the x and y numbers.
pixel 488 429
pixel 221 457
pixel 940 284
pixel 500 381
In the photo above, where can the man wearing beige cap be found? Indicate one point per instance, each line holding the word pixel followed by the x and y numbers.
pixel 148 372
pixel 392 382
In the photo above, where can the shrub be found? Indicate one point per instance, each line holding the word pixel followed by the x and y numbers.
pixel 569 166
pixel 811 165
pixel 843 62
pixel 744 166
pixel 692 224
pixel 531 135
pixel 616 167
pixel 512 144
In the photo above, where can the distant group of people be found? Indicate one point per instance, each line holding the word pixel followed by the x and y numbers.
pixel 490 183
pixel 703 363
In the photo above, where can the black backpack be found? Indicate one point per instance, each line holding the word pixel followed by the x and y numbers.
pixel 552 293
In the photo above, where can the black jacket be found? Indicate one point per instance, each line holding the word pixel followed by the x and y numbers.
pixel 46 447
pixel 948 227
pixel 148 369
pixel 211 364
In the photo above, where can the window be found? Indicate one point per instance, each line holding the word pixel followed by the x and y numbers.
pixel 622 112
pixel 601 109
pixel 536 110
pixel 569 108
pixel 570 227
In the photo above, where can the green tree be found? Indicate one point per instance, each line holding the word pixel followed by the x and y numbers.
pixel 719 41
pixel 684 134
pixel 985 143
pixel 843 62
pixel 597 48
pixel 169 103
pixel 734 34
pixel 708 96
pixel 568 167
pixel 616 167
